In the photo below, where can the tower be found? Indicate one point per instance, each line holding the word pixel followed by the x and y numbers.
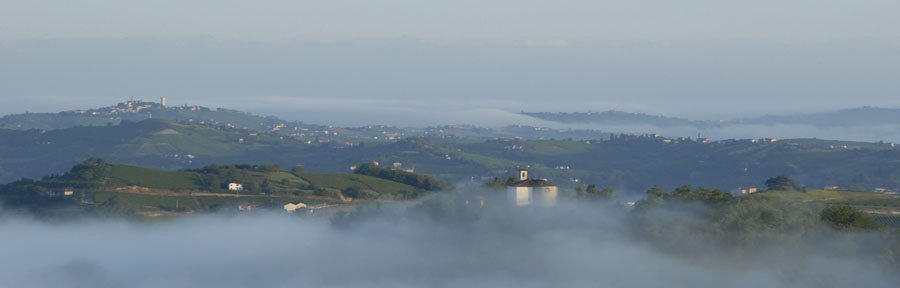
pixel 528 192
pixel 162 101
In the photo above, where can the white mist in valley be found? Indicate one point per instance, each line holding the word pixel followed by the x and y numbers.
pixel 572 245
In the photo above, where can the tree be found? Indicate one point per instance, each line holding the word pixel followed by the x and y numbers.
pixel 214 183
pixel 90 170
pixel 254 186
pixel 781 183
pixel 656 196
pixel 269 168
pixel 848 218
pixel 359 193
pixel 427 183
pixel 498 183
pixel 707 195
pixel 594 193
pixel 656 192
pixel 266 187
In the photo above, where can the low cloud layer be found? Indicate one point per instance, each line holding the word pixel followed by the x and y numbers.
pixel 570 246
pixel 887 132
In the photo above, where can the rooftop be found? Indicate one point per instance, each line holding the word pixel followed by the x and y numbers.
pixel 533 183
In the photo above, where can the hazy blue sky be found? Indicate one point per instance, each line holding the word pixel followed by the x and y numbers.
pixel 326 59
pixel 513 20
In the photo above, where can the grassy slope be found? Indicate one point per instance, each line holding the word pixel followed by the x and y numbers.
pixel 343 181
pixel 285 182
pixel 124 175
pixel 198 140
pixel 842 198
pixel 879 206
pixel 292 180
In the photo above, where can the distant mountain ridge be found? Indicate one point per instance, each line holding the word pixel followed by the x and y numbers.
pixel 862 116
pixel 138 110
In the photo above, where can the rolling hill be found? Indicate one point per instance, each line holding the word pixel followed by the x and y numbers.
pixel 95 181
pixel 137 110
pixel 854 117
pixel 191 137
pixel 629 163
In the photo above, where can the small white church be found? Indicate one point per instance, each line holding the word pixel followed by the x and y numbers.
pixel 528 192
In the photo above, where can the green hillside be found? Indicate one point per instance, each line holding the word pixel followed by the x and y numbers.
pixel 135 111
pixel 631 163
pixel 344 181
pixel 151 191
pixel 850 198
pixel 126 175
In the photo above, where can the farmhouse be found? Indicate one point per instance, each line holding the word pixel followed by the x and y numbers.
pixel 235 187
pixel 527 192
pixel 744 191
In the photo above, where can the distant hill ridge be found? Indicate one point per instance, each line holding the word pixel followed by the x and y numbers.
pixel 269 179
pixel 138 110
pixel 862 116
pixel 611 117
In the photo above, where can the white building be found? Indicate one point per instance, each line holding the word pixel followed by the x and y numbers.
pixel 247 207
pixel 527 192
pixel 291 207
pixel 744 191
pixel 235 187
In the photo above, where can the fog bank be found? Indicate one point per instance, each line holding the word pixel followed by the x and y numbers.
pixel 570 246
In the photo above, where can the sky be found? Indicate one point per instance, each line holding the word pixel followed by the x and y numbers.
pixel 397 60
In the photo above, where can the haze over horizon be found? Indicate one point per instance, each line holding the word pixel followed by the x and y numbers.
pixel 397 61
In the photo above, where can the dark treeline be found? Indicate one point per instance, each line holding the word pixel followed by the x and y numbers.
pixel 90 173
pixel 216 177
pixel 423 182
pixel 692 220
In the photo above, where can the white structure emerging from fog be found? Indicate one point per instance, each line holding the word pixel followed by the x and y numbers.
pixel 527 192
pixel 291 207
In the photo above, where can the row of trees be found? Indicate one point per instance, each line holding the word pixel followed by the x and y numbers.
pixel 592 192
pixel 716 218
pixel 216 177
pixel 782 183
pixel 90 173
pixel 423 182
